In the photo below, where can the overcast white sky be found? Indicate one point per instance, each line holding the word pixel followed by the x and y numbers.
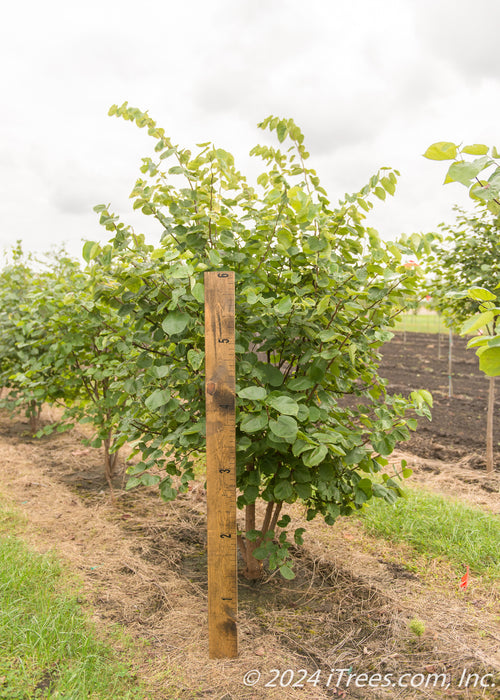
pixel 370 82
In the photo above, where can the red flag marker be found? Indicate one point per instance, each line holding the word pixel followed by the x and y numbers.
pixel 464 581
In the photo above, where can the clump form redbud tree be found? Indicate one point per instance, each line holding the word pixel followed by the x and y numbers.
pixel 316 294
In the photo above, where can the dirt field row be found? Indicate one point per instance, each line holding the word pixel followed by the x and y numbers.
pixel 458 427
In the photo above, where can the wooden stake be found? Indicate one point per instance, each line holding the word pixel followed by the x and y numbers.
pixel 490 464
pixel 221 465
pixel 450 363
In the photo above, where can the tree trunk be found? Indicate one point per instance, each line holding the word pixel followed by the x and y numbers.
pixel 253 567
pixel 490 465
pixel 34 412
pixel 110 461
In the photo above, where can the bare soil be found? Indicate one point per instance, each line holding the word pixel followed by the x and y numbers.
pixel 143 565
pixel 458 427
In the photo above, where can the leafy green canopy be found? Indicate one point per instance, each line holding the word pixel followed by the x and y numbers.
pixel 81 370
pixel 487 321
pixel 465 256
pixel 24 342
pixel 51 345
pixel 468 264
pixel 315 294
pixel 467 170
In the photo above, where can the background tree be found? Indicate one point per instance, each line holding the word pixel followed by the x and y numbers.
pixel 84 369
pixel 60 347
pixel 487 321
pixel 22 339
pixel 469 163
pixel 467 255
pixel 315 294
pixel 469 263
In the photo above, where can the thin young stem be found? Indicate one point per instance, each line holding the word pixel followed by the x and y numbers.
pixel 275 517
pixel 267 520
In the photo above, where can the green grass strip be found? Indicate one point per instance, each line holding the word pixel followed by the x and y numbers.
pixel 47 646
pixel 438 526
pixel 421 323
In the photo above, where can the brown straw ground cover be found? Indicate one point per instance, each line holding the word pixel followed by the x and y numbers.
pixel 358 602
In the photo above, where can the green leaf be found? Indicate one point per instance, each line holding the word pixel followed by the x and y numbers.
pixel 299 384
pixel 254 393
pixel 421 397
pixel 489 361
pixel 90 250
pixel 441 150
pixel 315 456
pixel 297 536
pixel 287 572
pixel 460 172
pixel 150 479
pixel 283 404
pixel 195 358
pixel 317 370
pixel 476 322
pixel 272 374
pixel 303 490
pixel 282 131
pixel 476 149
pixel 317 244
pixel 285 427
pixel 253 422
pixel 481 294
pixel 482 191
pixel 300 446
pixel 175 322
pixel 283 490
pixel 384 444
pixel 198 292
pixel 158 398
pixel 427 396
pixel 132 483
pixel 388 185
pixel 464 172
pixel 167 492
pixel 328 334
pixel 285 238
pixel 283 306
pixel 363 491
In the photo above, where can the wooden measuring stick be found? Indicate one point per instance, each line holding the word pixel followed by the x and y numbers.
pixel 221 465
